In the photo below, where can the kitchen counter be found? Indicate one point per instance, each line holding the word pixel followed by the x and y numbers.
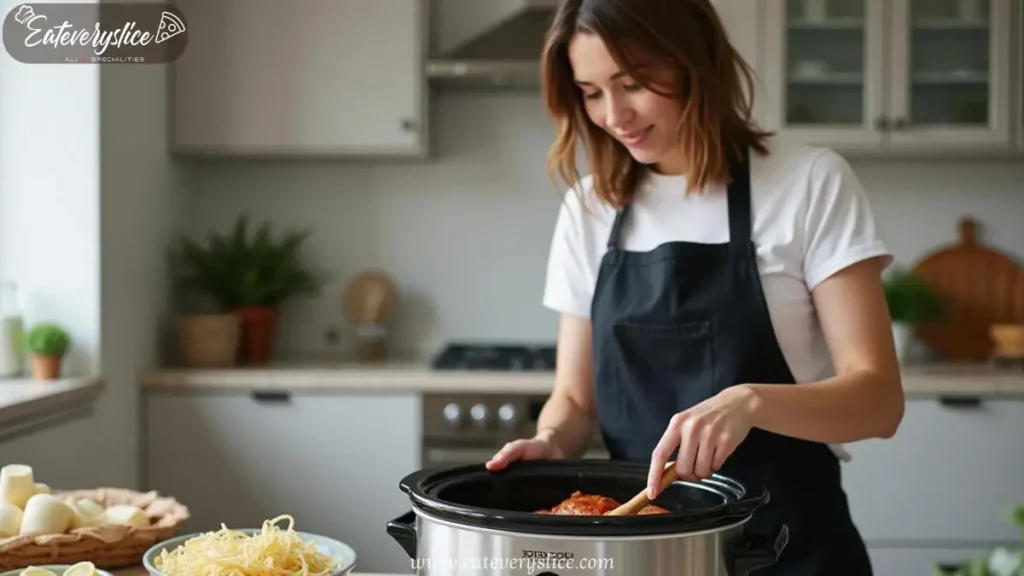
pixel 416 376
pixel 28 405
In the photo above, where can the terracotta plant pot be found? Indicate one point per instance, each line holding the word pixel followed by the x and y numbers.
pixel 46 367
pixel 259 331
pixel 209 340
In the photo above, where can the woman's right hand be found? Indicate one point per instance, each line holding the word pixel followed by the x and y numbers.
pixel 540 447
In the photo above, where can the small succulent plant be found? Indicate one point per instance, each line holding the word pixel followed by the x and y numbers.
pixel 47 339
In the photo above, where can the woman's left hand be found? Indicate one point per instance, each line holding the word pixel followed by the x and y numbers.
pixel 706 435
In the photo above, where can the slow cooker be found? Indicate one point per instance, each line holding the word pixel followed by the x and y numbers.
pixel 468 520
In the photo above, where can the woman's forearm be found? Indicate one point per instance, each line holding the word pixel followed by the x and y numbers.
pixel 846 408
pixel 566 424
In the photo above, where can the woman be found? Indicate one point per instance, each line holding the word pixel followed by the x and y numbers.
pixel 701 270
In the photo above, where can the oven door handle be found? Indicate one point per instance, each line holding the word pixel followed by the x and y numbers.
pixel 445 456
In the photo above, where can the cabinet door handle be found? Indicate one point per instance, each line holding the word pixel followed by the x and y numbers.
pixel 271 397
pixel 902 123
pixel 882 123
pixel 960 401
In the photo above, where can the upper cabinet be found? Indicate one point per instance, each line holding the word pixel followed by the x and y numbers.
pixel 301 78
pixel 891 75
pixel 1019 67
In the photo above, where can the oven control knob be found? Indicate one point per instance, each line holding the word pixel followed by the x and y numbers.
pixel 507 415
pixel 453 414
pixel 478 413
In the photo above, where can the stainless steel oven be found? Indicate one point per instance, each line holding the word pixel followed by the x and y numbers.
pixel 468 428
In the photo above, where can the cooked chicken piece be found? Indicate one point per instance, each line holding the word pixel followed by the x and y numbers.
pixel 580 504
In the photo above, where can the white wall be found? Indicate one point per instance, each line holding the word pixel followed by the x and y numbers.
pixel 86 203
pixel 466 235
pixel 142 207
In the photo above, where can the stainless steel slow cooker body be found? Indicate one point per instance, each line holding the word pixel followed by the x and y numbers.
pixel 469 521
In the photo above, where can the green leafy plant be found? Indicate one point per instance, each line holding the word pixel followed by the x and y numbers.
pixel 47 339
pixel 240 270
pixel 1001 561
pixel 911 299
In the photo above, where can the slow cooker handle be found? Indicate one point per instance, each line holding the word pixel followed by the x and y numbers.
pixel 403 530
pixel 751 554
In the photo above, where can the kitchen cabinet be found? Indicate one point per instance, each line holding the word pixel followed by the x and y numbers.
pixel 304 77
pixel 891 75
pixel 919 561
pixel 1020 76
pixel 332 461
pixel 944 482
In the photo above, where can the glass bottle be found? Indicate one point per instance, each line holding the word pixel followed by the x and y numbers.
pixel 12 358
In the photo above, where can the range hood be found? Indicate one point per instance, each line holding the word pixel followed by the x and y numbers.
pixel 506 55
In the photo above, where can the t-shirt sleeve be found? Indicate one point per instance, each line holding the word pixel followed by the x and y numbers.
pixel 840 228
pixel 569 286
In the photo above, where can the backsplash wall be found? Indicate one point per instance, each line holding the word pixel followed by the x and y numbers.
pixel 466 235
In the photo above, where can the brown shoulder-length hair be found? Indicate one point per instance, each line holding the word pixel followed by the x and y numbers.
pixel 676 48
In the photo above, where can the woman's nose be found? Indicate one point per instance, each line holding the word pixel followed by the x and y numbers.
pixel 617 114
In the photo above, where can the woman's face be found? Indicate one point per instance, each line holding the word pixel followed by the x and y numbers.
pixel 644 122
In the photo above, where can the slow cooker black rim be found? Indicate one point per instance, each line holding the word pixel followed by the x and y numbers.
pixel 422 487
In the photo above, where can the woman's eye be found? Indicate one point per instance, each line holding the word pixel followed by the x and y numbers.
pixel 592 95
pixel 631 87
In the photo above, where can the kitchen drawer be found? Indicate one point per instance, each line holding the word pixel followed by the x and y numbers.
pixel 918 561
pixel 950 473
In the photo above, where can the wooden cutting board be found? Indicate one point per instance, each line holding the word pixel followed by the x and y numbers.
pixel 980 286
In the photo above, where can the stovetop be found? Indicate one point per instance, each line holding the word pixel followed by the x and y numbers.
pixel 500 357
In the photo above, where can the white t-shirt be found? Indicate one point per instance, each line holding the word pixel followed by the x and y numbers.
pixel 811 218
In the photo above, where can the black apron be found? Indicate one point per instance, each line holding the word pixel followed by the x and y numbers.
pixel 677 325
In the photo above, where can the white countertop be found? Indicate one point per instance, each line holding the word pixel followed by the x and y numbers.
pixel 25 404
pixel 417 376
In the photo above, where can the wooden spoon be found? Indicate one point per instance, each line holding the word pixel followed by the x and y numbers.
pixel 637 503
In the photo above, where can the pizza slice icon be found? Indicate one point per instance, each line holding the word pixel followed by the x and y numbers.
pixel 170 26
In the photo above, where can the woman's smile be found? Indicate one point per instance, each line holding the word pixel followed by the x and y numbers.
pixel 635 138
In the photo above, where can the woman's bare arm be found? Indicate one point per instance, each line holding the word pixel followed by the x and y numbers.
pixel 865 398
pixel 568 418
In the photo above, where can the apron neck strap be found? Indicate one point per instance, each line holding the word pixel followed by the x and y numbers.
pixel 738 197
pixel 613 237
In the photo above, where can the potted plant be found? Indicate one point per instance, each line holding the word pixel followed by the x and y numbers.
pixel 911 301
pixel 249 275
pixel 47 343
pixel 1000 561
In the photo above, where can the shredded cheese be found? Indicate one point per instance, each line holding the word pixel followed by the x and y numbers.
pixel 271 552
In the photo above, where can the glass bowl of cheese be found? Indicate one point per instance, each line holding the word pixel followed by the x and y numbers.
pixel 266 551
pixel 78 569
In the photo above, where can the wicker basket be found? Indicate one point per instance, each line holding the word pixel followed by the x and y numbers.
pixel 109 546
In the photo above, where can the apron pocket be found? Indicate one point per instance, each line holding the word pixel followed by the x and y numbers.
pixel 667 368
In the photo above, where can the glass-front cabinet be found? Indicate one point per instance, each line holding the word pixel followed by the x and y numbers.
pixel 890 74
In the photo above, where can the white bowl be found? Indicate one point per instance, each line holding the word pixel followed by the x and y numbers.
pixel 57 569
pixel 342 553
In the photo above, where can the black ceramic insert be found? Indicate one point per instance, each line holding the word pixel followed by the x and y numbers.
pixel 508 499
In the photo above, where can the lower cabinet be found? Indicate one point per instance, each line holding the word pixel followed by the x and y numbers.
pixel 918 561
pixel 332 461
pixel 939 491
